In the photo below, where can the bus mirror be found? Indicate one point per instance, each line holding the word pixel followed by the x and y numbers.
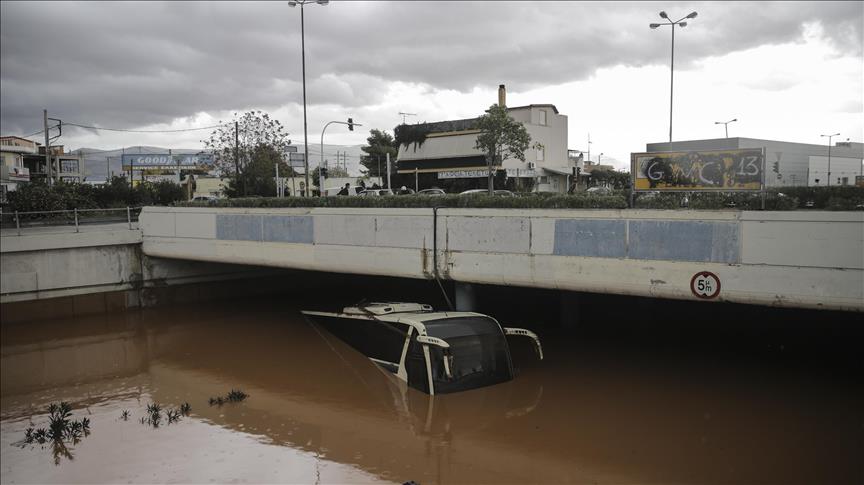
pixel 444 346
pixel 427 340
pixel 526 333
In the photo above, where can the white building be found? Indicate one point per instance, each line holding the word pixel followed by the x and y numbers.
pixel 12 171
pixel 448 149
pixel 798 163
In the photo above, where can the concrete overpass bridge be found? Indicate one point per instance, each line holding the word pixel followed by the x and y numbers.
pixel 803 259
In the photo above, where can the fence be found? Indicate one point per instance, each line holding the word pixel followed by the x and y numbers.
pixel 68 218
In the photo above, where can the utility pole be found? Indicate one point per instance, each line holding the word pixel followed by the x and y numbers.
pixel 388 171
pixel 48 171
pixel 829 155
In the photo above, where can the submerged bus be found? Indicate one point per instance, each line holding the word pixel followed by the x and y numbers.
pixel 434 352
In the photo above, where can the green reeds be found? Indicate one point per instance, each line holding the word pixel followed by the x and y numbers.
pixel 235 395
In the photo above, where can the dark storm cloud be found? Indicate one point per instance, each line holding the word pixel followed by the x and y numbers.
pixel 131 64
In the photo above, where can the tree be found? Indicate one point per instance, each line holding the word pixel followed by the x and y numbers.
pixel 501 138
pixel 329 173
pixel 259 174
pixel 379 144
pixel 255 131
pixel 610 178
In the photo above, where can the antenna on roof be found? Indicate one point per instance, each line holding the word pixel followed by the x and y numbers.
pixel 406 114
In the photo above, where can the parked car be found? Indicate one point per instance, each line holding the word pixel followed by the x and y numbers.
pixel 499 193
pixel 404 191
pixel 599 191
pixel 375 192
pixel 352 190
pixel 210 199
pixel 431 192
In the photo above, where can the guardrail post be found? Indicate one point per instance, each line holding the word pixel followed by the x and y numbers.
pixel 76 219
pixel 129 217
pixel 17 223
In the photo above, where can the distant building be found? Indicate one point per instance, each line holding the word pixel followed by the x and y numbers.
pixel 449 152
pixel 798 163
pixel 13 171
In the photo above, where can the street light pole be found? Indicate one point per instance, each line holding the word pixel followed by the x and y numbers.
pixel 681 24
pixel 725 125
pixel 829 155
pixel 303 61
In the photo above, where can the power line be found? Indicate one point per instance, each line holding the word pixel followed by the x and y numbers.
pixel 129 130
pixel 146 131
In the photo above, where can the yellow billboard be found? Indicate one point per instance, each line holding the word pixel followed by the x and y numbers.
pixel 718 170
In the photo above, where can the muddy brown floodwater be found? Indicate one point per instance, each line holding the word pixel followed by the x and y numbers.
pixel 317 412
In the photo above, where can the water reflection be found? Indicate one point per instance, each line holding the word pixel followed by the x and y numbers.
pixel 317 410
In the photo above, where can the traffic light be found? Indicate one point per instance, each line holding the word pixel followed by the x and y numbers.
pixel 324 172
pixel 776 167
pixel 350 124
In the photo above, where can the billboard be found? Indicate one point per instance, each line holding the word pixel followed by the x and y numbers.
pixel 713 170
pixel 297 160
pixel 202 161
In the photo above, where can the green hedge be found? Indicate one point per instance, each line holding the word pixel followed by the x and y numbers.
pixel 38 196
pixel 789 198
pixel 407 201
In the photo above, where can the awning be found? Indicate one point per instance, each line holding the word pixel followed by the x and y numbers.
pixel 441 164
pixel 558 171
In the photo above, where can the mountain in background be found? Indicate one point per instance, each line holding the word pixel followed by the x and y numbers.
pixel 97 162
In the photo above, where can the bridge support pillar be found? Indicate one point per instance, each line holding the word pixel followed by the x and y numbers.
pixel 568 314
pixel 466 297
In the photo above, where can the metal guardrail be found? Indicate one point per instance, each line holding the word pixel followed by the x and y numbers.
pixel 76 217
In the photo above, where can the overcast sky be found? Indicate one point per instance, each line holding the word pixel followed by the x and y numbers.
pixel 786 70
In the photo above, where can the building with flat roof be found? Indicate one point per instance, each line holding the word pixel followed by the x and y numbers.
pixel 799 164
pixel 13 149
pixel 448 149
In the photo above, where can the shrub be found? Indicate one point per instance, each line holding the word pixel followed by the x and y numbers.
pixel 554 201
pixel 38 196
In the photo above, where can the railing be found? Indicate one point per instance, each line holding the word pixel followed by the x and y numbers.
pixel 66 218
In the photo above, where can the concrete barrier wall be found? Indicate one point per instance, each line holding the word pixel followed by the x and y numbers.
pixel 797 259
pixel 76 266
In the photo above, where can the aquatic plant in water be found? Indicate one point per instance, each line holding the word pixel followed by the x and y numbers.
pixel 154 414
pixel 61 429
pixel 235 395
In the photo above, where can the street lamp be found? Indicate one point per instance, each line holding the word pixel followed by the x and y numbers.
pixel 829 155
pixel 726 125
pixel 599 158
pixel 672 64
pixel 351 124
pixel 294 3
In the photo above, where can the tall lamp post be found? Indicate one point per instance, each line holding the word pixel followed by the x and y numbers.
pixel 672 64
pixel 294 3
pixel 829 155
pixel 726 125
pixel 351 124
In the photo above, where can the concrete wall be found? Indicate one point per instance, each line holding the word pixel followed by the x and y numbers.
pixel 797 259
pixel 96 270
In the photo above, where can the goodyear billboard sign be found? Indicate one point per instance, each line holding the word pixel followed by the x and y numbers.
pixel 203 161
pixel 717 170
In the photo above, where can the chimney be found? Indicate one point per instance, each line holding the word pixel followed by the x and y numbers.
pixel 502 96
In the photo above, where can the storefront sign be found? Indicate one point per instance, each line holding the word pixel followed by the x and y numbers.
pixel 203 161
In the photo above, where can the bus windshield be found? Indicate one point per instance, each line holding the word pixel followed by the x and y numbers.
pixel 479 349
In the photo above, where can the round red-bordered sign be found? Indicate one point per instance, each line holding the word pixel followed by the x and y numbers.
pixel 705 285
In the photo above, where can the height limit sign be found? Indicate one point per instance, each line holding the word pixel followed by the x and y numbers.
pixel 705 285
